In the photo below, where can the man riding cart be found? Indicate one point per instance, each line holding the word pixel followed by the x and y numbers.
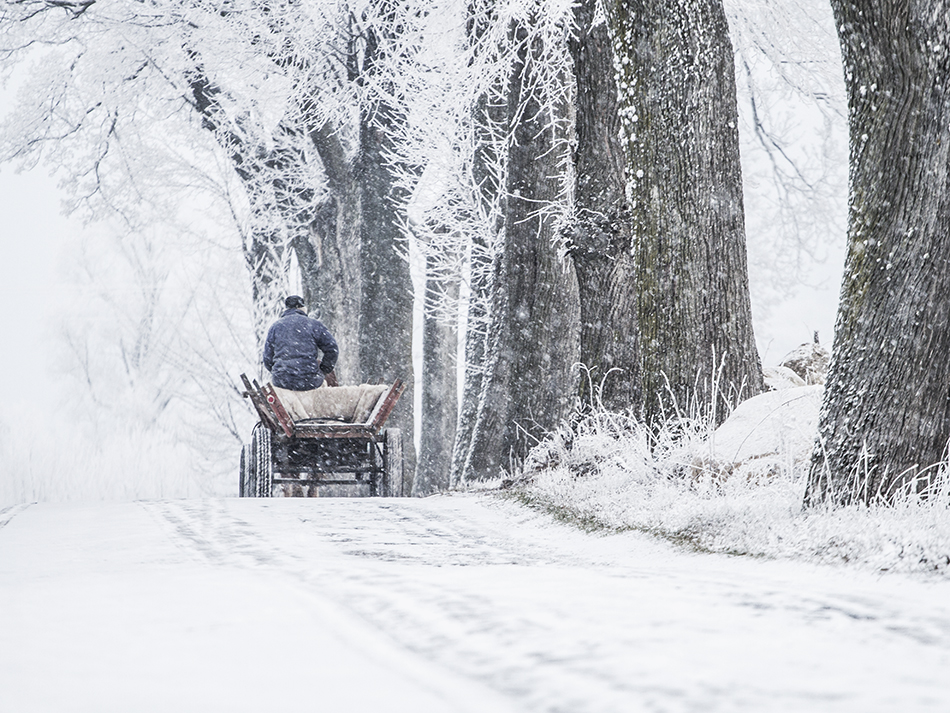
pixel 312 432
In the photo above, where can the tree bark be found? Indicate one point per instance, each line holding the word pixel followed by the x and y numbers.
pixel 489 123
pixel 602 236
pixel 677 83
pixel 336 241
pixel 473 380
pixel 385 341
pixel 534 330
pixel 886 416
pixel 439 403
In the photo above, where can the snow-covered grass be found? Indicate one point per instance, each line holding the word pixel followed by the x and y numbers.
pixel 52 460
pixel 609 472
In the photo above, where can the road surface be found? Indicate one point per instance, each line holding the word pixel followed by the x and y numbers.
pixel 443 604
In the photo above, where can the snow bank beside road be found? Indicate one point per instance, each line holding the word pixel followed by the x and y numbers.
pixel 769 435
pixel 54 459
pixel 738 489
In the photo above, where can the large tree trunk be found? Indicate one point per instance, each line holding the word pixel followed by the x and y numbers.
pixel 387 301
pixel 678 98
pixel 439 402
pixel 534 329
pixel 489 123
pixel 602 236
pixel 886 417
pixel 473 379
pixel 336 261
pixel 386 327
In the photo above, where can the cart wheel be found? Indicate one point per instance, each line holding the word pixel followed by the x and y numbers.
pixel 246 485
pixel 392 463
pixel 263 465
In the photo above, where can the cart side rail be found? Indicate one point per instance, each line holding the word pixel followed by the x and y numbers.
pixel 385 406
pixel 275 416
pixel 286 422
pixel 258 399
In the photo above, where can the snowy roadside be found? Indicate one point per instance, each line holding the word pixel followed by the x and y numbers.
pixel 446 603
pixel 735 490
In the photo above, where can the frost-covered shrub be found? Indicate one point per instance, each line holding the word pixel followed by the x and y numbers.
pixel 608 470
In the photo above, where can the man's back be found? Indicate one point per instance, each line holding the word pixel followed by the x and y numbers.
pixel 292 351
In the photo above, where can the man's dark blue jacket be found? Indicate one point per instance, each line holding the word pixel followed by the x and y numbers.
pixel 292 351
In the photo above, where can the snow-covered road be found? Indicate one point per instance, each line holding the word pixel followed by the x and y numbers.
pixel 443 604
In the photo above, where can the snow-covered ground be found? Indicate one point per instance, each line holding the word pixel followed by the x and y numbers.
pixel 450 603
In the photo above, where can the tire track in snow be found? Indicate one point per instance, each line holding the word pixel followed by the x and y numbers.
pixel 454 626
pixel 209 529
pixel 7 514
pixel 562 650
pixel 559 622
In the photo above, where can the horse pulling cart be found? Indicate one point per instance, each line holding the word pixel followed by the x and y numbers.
pixel 299 458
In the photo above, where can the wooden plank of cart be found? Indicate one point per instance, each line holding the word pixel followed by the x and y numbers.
pixel 303 458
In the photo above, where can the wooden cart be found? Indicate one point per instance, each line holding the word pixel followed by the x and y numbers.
pixel 298 458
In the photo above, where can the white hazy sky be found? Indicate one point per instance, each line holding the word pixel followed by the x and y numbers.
pixel 32 233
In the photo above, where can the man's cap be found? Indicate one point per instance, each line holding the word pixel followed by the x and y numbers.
pixel 294 302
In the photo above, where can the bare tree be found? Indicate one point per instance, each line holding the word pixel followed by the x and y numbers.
pixel 488 164
pixel 886 417
pixel 793 133
pixel 295 97
pixel 284 91
pixel 439 397
pixel 266 174
pixel 504 115
pixel 533 335
pixel 332 117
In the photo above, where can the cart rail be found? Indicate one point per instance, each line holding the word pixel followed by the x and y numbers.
pixel 273 414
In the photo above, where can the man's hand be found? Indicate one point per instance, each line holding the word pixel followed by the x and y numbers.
pixel 331 379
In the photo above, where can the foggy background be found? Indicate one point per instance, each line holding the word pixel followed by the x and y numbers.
pixel 59 277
